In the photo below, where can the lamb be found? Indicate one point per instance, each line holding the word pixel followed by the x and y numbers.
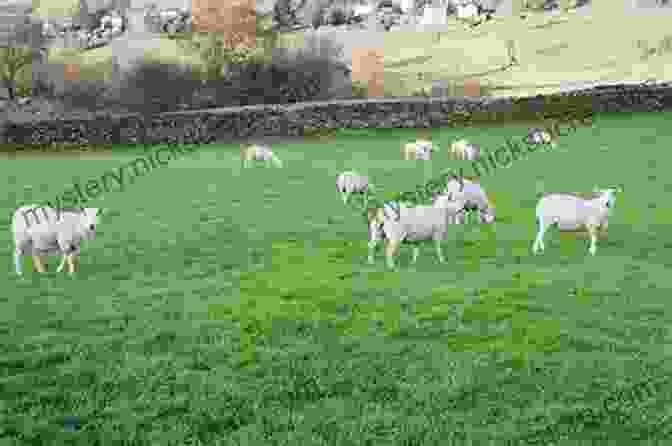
pixel 59 232
pixel 537 136
pixel 419 150
pixel 464 150
pixel 472 193
pixel 255 152
pixel 398 222
pixel 569 213
pixel 350 182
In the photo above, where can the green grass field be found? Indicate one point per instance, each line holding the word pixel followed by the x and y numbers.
pixel 223 306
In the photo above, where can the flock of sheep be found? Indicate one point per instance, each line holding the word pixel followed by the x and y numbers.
pixel 61 231
pixel 397 222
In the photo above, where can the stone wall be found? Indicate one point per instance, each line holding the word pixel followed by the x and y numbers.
pixel 224 124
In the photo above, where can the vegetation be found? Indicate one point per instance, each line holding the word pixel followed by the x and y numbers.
pixel 241 309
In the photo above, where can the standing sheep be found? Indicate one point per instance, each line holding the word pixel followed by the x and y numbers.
pixel 419 150
pixel 464 150
pixel 411 224
pixel 538 136
pixel 255 152
pixel 474 196
pixel 58 232
pixel 350 182
pixel 569 213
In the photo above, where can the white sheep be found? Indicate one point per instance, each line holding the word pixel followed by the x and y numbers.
pixel 473 194
pixel 350 182
pixel 44 231
pixel 464 150
pixel 570 213
pixel 255 152
pixel 399 222
pixel 538 136
pixel 421 149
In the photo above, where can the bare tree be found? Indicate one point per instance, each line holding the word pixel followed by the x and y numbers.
pixel 18 51
pixel 285 12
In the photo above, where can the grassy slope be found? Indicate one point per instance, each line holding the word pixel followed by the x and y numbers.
pixel 550 50
pixel 146 344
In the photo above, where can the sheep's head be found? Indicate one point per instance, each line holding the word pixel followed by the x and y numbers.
pixel 488 215
pixel 607 197
pixel 89 221
pixel 454 187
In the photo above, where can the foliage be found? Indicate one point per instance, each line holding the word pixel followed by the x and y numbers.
pixel 152 87
pixel 239 45
pixel 285 12
pixel 23 48
pixel 359 89
pixel 337 16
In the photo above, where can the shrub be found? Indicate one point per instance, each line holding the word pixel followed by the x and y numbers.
pixel 337 16
pixel 359 90
pixel 290 76
pixel 152 87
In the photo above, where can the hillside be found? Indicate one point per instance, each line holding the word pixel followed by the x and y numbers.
pixel 554 51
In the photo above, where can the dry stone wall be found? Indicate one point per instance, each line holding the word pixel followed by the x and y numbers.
pixel 206 126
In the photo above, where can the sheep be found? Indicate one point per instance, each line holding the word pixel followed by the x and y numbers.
pixel 351 182
pixel 472 193
pixel 59 232
pixel 255 152
pixel 570 212
pixel 464 150
pixel 419 150
pixel 538 136
pixel 410 224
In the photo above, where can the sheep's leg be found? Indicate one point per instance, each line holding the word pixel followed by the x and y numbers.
pixel 60 267
pixel 71 264
pixel 539 241
pixel 592 230
pixel 372 250
pixel 17 263
pixel 439 251
pixel 416 253
pixel 37 261
pixel 390 251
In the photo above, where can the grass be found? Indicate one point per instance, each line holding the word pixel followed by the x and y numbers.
pixel 224 306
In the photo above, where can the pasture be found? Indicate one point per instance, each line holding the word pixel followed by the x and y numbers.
pixel 224 306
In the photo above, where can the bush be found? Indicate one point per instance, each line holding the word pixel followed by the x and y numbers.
pixel 290 76
pixel 337 16
pixel 359 90
pixel 85 94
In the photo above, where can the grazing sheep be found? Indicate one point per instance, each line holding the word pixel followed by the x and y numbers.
pixel 570 213
pixel 537 136
pixel 419 150
pixel 259 153
pixel 351 182
pixel 472 193
pixel 410 224
pixel 58 232
pixel 464 150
